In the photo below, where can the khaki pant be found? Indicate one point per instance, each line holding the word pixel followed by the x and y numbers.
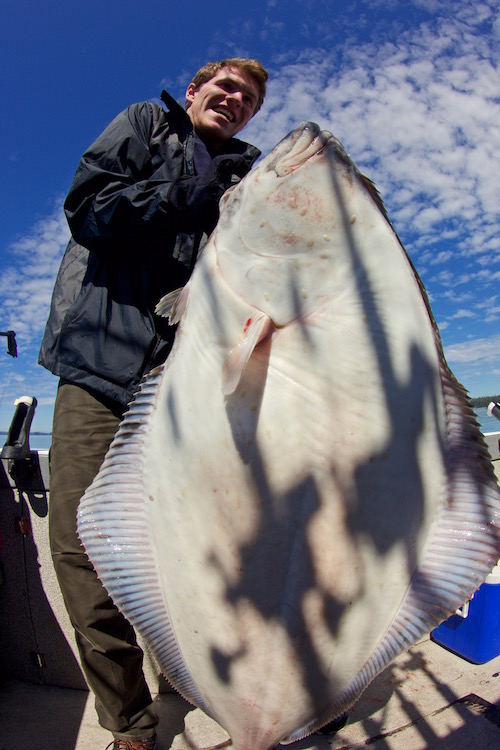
pixel 84 425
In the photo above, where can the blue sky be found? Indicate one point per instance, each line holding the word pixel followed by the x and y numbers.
pixel 412 89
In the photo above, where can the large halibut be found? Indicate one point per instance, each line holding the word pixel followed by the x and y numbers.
pixel 301 491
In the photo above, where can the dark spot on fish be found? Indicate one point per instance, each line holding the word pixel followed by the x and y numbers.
pixel 151 498
pixel 291 238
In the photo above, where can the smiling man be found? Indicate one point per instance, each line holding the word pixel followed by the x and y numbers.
pixel 144 198
pixel 223 105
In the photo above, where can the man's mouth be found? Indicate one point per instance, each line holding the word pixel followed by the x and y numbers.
pixel 225 113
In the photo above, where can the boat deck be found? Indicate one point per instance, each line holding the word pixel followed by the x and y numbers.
pixel 428 699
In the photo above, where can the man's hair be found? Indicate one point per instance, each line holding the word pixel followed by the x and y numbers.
pixel 252 67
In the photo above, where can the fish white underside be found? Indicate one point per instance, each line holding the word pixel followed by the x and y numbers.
pixel 281 517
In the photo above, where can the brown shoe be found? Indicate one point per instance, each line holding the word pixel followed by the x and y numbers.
pixel 149 744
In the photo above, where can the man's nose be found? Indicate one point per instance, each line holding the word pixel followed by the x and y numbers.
pixel 236 96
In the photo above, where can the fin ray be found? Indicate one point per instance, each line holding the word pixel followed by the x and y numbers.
pixel 172 305
pixel 139 594
pixel 238 358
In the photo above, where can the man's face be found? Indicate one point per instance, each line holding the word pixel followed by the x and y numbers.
pixel 222 106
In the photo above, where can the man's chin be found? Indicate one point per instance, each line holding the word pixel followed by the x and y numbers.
pixel 215 133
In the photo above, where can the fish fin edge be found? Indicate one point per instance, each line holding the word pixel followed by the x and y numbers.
pixel 465 542
pixel 173 305
pixel 138 594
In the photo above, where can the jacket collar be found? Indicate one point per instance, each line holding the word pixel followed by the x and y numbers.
pixel 174 106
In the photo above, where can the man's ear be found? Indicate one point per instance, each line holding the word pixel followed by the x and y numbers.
pixel 190 92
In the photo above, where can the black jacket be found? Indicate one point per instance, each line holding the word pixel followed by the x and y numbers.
pixel 138 213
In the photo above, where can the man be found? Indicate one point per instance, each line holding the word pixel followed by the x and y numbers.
pixel 143 200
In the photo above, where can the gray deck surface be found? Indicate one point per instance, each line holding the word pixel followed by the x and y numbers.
pixel 429 698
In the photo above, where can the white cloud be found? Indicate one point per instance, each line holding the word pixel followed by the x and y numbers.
pixel 492 315
pixel 462 313
pixel 419 113
pixel 29 273
pixel 420 117
pixel 26 284
pixel 480 352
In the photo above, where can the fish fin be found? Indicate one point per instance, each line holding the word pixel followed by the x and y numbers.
pixel 134 584
pixel 255 330
pixel 172 305
pixel 462 551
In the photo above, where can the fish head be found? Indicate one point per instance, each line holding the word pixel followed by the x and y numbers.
pixel 283 226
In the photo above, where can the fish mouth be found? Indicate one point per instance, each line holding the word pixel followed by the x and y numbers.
pixel 304 142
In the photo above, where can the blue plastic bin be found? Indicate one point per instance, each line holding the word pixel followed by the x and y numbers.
pixel 475 633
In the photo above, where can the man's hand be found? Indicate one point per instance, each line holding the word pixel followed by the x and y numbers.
pixel 227 166
pixel 196 199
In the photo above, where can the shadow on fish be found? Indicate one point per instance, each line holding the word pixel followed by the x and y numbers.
pixel 302 491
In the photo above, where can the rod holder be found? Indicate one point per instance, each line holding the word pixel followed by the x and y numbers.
pixel 17 445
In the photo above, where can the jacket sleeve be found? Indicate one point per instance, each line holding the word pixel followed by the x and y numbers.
pixel 123 196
